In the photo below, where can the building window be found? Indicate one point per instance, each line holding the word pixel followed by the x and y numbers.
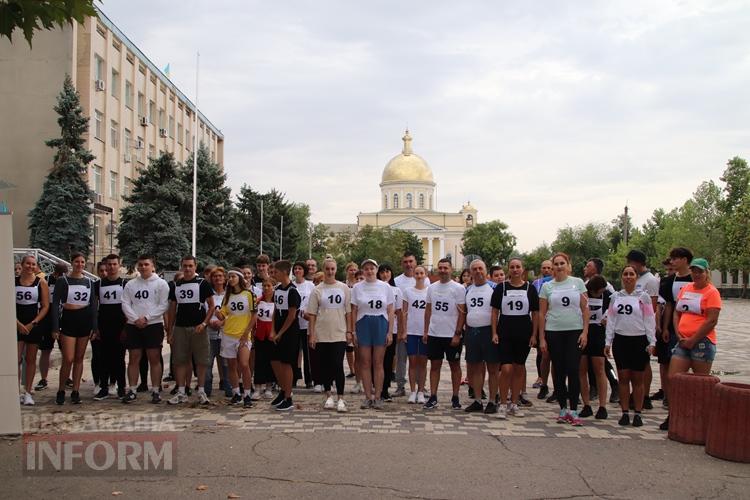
pixel 408 200
pixel 127 137
pixel 188 144
pixel 97 179
pixel 127 186
pixel 179 133
pixel 114 134
pixel 469 220
pixel 385 201
pixel 115 84
pixel 430 202
pixel 151 151
pixel 141 104
pixel 99 125
pixel 162 119
pixel 171 127
pixel 395 201
pixel 421 200
pixel 113 185
pixel 128 94
pixel 213 156
pixel 99 67
pixel 151 111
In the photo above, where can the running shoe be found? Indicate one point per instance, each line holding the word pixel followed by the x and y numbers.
pixel 97 388
pixel 267 394
pixel 515 411
pixel 356 389
pixel 476 406
pixel 420 398
pixel 490 409
pixel 41 385
pixel 228 392
pixel 28 400
pixel 562 417
pixel 484 394
pixel 366 404
pixel 637 422
pixel 455 403
pixel 155 398
pixel 278 399
pixel 75 397
pixel 624 420
pixel 236 399
pixel 285 405
pixel 543 392
pixel 341 406
pixel 178 399
pixel 601 413
pixel 329 404
pixel 168 378
pixel 203 399
pixel 575 420
pixel 586 412
pixel 664 426
pixel 102 394
pixel 350 375
pixel 129 397
pixel 502 412
pixel 412 398
pixel 431 403
pixel 471 393
pixel 60 397
pixel 255 396
pixel 400 392
pixel 386 396
pixel 379 404
pixel 247 402
pixel 142 388
pixel 647 405
pixel 552 398
pixel 658 395
pixel 120 392
pixel 537 384
pixel 524 401
pixel 614 398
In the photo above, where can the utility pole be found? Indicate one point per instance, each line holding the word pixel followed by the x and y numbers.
pixel 625 229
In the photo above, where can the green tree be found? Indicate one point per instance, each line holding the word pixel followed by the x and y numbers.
pixel 59 222
pixel 735 213
pixel 532 261
pixel 153 221
pixel 491 241
pixel 34 15
pixel 385 245
pixel 216 241
pixel 582 243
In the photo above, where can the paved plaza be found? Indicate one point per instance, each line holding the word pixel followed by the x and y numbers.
pixel 367 453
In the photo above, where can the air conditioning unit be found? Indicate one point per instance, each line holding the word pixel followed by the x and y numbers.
pixel 139 144
pixel 99 84
pixel 128 157
pixel 162 132
pixel 143 121
pixel 111 228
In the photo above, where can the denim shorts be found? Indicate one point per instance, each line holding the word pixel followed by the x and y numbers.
pixel 415 346
pixel 704 351
pixel 371 331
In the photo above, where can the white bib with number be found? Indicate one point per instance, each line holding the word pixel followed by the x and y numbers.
pixel 515 303
pixel 373 302
pixel 238 305
pixel 629 314
pixel 676 287
pixel 478 308
pixel 265 311
pixel 111 294
pixel 331 298
pixel 78 295
pixel 187 293
pixel 281 298
pixel 596 311
pixel 690 303
pixel 565 298
pixel 27 295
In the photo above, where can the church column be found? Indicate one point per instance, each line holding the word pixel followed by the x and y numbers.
pixel 442 247
pixel 429 252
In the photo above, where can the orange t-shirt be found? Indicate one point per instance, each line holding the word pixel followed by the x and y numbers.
pixel 692 303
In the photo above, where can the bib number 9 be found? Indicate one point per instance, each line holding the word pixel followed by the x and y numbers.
pixel 565 301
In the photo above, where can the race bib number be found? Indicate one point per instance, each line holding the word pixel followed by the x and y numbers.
pixel 110 294
pixel 26 295
pixel 238 304
pixel 78 295
pixel 332 299
pixel 281 298
pixel 141 294
pixel 568 298
pixel 515 303
pixel 690 303
pixel 187 293
pixel 265 311
pixel 596 311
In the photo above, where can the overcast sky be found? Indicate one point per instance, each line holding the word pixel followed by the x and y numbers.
pixel 541 114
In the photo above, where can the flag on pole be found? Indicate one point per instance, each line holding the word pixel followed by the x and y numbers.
pixel 166 70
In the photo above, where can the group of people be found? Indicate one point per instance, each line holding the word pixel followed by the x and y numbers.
pixel 267 328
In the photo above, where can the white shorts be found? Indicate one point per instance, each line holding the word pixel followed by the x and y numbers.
pixel 230 346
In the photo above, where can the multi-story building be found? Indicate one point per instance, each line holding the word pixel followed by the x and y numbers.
pixel 135 113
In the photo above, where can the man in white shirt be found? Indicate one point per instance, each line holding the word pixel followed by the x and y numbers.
pixel 404 281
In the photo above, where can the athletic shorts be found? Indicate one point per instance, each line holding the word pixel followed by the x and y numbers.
pixel 479 346
pixel 47 342
pixel 188 344
pixel 704 351
pixel 35 336
pixel 287 348
pixel 664 349
pixel 76 322
pixel 594 343
pixel 231 345
pixel 514 346
pixel 440 347
pixel 372 331
pixel 630 352
pixel 150 337
pixel 415 346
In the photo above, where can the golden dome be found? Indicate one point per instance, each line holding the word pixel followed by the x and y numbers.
pixel 407 167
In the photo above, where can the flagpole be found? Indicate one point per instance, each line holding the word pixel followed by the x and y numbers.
pixel 261 226
pixel 195 156
pixel 281 239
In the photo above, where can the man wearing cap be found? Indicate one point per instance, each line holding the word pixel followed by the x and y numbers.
pixel 648 283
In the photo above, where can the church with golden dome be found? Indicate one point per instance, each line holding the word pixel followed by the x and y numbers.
pixel 408 200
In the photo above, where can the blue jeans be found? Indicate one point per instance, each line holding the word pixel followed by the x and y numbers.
pixel 215 348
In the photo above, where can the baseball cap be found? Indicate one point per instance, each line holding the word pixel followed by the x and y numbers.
pixel 700 263
pixel 636 256
pixel 368 261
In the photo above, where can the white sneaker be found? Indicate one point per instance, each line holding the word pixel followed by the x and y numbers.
pixel 501 412
pixel 255 396
pixel 356 389
pixel 267 394
pixel 412 398
pixel 341 406
pixel 318 389
pixel 113 390
pixel 28 400
pixel 202 398
pixel 178 399
pixel 420 398
pixel 96 389
pixel 330 404
pixel 514 410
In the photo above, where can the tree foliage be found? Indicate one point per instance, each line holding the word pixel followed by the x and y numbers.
pixel 491 241
pixel 385 245
pixel 59 222
pixel 34 15
pixel 532 261
pixel 582 243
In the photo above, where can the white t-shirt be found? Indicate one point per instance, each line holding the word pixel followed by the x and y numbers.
pixel 478 308
pixel 404 282
pixel 304 289
pixel 372 298
pixel 416 303
pixel 648 283
pixel 445 299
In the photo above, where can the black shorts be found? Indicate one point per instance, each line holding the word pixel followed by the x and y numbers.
pixel 287 349
pixel 479 346
pixel 514 346
pixel 664 349
pixel 595 342
pixel 630 352
pixel 35 336
pixel 76 323
pixel 47 342
pixel 439 347
pixel 150 337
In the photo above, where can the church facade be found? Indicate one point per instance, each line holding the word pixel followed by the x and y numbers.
pixel 407 202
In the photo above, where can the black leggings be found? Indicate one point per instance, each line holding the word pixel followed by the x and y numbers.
pixel 331 360
pixel 113 355
pixel 390 353
pixel 98 363
pixel 304 370
pixel 565 357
